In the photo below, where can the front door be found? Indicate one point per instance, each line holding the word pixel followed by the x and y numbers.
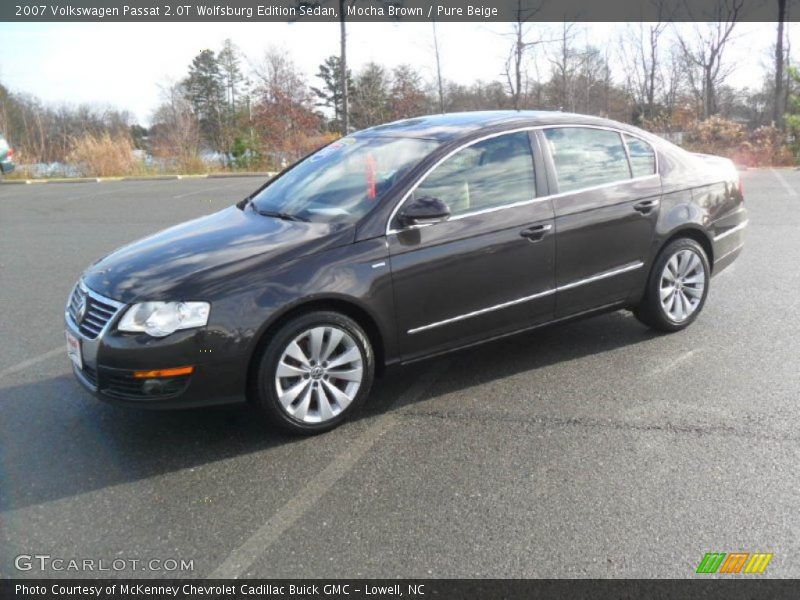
pixel 489 268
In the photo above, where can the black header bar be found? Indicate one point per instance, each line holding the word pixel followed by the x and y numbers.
pixel 388 10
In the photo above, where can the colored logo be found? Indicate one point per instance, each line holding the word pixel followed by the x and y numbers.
pixel 734 562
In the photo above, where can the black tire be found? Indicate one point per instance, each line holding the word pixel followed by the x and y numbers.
pixel 650 310
pixel 265 392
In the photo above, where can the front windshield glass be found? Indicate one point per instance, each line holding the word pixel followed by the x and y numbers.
pixel 342 181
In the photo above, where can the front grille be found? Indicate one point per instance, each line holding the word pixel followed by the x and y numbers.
pixel 97 313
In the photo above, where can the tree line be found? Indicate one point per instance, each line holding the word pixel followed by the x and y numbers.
pixel 266 113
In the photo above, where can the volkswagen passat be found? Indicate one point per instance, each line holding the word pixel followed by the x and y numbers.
pixel 398 243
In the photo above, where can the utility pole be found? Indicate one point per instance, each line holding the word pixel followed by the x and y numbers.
pixel 438 68
pixel 343 67
pixel 778 108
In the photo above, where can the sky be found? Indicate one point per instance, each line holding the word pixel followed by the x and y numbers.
pixel 124 65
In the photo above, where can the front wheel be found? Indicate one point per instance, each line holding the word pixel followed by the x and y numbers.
pixel 677 287
pixel 315 372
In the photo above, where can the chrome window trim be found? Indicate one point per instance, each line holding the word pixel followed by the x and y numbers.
pixel 100 298
pixel 644 141
pixel 622 135
pixel 390 231
pixel 627 154
pixel 599 276
pixel 725 234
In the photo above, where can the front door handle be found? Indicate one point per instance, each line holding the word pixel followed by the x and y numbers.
pixel 536 233
pixel 645 206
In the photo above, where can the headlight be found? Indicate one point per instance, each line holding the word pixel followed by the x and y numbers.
pixel 159 319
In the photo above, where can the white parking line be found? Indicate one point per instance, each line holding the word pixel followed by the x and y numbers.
pixel 206 190
pixel 675 362
pixel 31 361
pixel 242 558
pixel 789 189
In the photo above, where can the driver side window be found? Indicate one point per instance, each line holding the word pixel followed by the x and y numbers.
pixel 489 174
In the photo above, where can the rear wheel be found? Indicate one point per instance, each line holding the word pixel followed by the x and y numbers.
pixel 315 372
pixel 677 287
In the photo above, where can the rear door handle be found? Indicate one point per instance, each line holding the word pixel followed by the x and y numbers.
pixel 645 206
pixel 537 232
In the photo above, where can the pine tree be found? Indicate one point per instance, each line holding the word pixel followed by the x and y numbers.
pixel 228 59
pixel 330 95
pixel 205 90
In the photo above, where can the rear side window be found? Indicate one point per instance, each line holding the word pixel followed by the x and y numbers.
pixel 587 157
pixel 488 174
pixel 643 158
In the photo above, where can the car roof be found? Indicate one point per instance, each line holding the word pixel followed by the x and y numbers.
pixel 449 126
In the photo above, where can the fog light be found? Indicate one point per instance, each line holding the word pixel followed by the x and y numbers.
pixel 153 387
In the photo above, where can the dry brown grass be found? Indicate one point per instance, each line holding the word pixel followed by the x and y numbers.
pixel 105 155
pixel 762 147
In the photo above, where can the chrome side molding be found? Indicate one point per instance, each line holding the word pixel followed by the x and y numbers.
pixel 481 311
pixel 725 234
pixel 599 276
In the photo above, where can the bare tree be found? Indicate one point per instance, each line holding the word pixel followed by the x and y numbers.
pixel 703 52
pixel 673 83
pixel 565 61
pixel 283 114
pixel 640 53
pixel 176 130
pixel 522 44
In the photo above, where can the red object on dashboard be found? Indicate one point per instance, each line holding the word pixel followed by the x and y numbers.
pixel 370 176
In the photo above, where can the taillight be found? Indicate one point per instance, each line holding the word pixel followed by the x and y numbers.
pixel 10 153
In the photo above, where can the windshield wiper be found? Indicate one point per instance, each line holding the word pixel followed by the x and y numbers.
pixel 280 215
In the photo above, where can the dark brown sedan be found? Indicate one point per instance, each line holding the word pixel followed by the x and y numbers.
pixel 398 243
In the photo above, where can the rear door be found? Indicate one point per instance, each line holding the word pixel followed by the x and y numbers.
pixel 606 205
pixel 488 269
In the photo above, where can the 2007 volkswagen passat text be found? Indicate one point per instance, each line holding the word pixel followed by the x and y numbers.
pixel 401 242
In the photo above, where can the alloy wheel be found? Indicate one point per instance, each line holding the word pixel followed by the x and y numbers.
pixel 683 280
pixel 319 374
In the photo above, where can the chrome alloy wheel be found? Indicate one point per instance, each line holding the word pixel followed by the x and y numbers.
pixel 319 374
pixel 682 283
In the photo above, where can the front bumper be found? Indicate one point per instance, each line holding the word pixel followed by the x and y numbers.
pixel 110 360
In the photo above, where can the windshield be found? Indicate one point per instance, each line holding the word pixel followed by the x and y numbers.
pixel 342 181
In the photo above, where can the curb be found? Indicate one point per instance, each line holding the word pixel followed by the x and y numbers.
pixel 243 174
pixel 134 178
pixel 150 177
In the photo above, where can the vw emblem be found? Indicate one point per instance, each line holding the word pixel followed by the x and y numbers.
pixel 81 310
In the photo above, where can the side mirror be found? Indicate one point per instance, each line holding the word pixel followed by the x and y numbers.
pixel 423 211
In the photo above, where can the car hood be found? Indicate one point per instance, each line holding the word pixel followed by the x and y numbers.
pixel 179 260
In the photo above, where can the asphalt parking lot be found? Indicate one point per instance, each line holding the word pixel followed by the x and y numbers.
pixel 592 449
